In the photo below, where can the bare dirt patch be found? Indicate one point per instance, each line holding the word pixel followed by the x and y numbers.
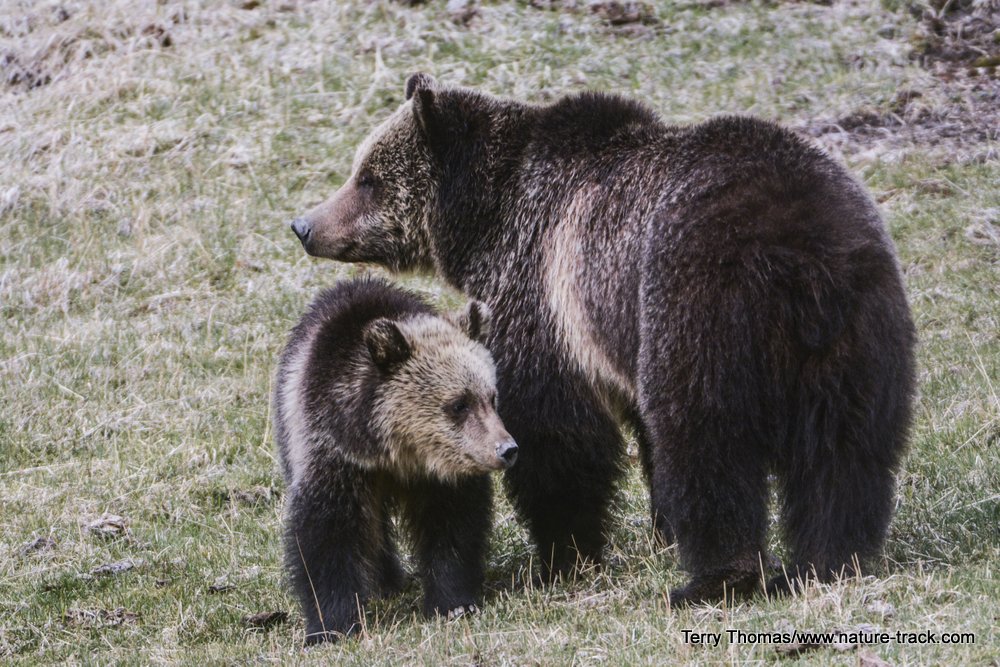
pixel 635 19
pixel 47 42
pixel 38 545
pixel 960 33
pixel 116 568
pixel 956 108
pixel 960 114
pixel 109 526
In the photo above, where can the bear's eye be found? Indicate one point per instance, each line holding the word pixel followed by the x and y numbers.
pixel 458 408
pixel 366 180
pixel 493 400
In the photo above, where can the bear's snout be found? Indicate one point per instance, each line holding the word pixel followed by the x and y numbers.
pixel 302 229
pixel 507 452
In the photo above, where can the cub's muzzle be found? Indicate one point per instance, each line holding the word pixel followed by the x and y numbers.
pixel 507 452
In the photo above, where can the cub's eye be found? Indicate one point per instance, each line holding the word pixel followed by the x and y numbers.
pixel 366 180
pixel 458 409
pixel 493 400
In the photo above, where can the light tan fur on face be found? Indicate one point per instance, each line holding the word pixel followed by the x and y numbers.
pixel 342 218
pixel 336 220
pixel 562 256
pixel 423 440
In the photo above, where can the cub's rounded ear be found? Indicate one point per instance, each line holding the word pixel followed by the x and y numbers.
pixel 424 113
pixel 419 81
pixel 475 321
pixel 386 343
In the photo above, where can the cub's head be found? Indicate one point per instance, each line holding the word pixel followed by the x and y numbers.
pixel 380 215
pixel 436 402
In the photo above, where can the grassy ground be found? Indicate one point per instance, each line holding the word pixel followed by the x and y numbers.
pixel 149 156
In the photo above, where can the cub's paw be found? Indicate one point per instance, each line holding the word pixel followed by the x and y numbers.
pixel 793 582
pixel 319 635
pixel 782 586
pixel 462 610
pixel 450 609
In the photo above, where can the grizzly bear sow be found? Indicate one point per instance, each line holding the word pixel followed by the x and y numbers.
pixel 726 288
pixel 380 403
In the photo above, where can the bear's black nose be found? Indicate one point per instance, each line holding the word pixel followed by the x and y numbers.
pixel 302 229
pixel 507 451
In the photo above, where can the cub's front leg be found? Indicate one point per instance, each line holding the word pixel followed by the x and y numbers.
pixel 450 526
pixel 331 537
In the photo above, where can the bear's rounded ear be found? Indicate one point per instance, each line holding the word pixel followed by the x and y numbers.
pixel 386 343
pixel 423 111
pixel 475 321
pixel 421 88
pixel 417 81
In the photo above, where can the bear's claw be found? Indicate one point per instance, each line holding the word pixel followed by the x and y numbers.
pixel 462 610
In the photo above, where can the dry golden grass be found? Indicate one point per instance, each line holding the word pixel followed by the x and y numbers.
pixel 149 156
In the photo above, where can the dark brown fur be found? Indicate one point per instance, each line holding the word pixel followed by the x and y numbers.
pixel 365 349
pixel 727 287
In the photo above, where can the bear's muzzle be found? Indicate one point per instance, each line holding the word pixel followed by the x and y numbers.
pixel 507 452
pixel 303 230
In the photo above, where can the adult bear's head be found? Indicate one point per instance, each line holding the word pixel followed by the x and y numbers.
pixel 441 148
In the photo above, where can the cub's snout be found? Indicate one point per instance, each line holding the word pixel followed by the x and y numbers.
pixel 507 453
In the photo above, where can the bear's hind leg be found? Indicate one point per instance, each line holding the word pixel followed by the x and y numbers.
pixel 711 435
pixel 852 417
pixel 838 484
pixel 711 487
pixel 450 525
pixel 712 384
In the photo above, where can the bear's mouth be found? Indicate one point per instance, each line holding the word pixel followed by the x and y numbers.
pixel 345 252
pixel 494 464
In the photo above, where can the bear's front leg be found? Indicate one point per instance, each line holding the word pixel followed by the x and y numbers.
pixel 450 524
pixel 330 538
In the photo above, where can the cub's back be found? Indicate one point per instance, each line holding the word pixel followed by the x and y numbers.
pixel 325 376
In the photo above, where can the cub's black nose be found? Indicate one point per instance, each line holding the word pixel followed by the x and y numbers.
pixel 507 451
pixel 302 229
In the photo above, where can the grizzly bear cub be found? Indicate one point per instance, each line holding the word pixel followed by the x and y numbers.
pixel 382 404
